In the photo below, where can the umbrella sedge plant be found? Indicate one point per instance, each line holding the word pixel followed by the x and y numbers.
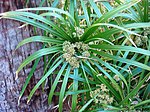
pixel 86 43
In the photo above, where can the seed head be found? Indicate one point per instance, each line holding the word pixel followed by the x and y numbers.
pixel 78 45
pixel 102 95
pixel 116 77
pixel 144 39
pixel 103 87
pixel 79 31
pixel 111 99
pixel 138 41
pixel 67 56
pixel 85 47
pixel 86 54
pixel 74 62
pixel 71 50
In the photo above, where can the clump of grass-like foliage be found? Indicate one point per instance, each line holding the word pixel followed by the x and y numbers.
pixel 100 50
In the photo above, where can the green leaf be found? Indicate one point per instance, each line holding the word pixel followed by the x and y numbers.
pixel 40 5
pixel 71 8
pixel 113 12
pixel 77 92
pixel 109 15
pixel 55 3
pixel 140 12
pixel 96 9
pixel 126 16
pixel 135 90
pixel 121 48
pixel 102 79
pixel 142 103
pixel 85 13
pixel 28 79
pixel 41 19
pixel 146 92
pixel 98 38
pixel 33 23
pixel 75 88
pixel 123 60
pixel 146 9
pixel 137 25
pixel 63 88
pixel 107 5
pixel 50 71
pixel 53 87
pixel 107 65
pixel 52 9
pixel 64 21
pixel 112 80
pixel 92 29
pixel 60 17
pixel 40 39
pixel 83 80
pixel 86 105
pixel 38 54
pixel 115 109
pixel 87 81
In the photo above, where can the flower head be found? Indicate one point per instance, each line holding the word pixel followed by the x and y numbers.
pixel 102 95
pixel 110 99
pixel 74 62
pixel 116 77
pixel 79 31
pixel 66 46
pixel 74 34
pixel 66 43
pixel 67 56
pixel 85 47
pixel 78 45
pixel 103 87
pixel 86 54
pixel 70 52
pixel 138 41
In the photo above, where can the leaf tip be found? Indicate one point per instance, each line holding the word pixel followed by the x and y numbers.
pixel 19 100
pixel 28 101
pixel 22 26
pixel 1 14
pixel 16 48
pixel 16 75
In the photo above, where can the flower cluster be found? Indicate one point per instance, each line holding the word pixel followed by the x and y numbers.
pixel 72 49
pixel 144 38
pixel 146 31
pixel 139 41
pixel 116 77
pixel 102 95
pixel 79 32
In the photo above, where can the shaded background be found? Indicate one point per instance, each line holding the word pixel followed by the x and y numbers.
pixel 10 36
